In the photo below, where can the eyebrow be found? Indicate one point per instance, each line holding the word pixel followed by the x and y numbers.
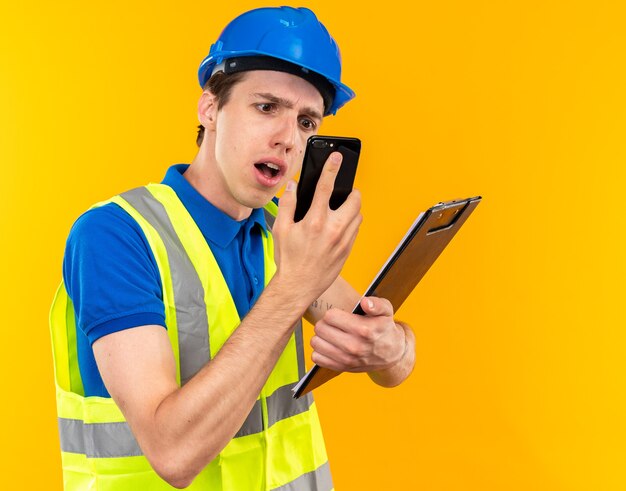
pixel 287 103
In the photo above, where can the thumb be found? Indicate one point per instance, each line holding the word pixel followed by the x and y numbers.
pixel 374 306
pixel 287 203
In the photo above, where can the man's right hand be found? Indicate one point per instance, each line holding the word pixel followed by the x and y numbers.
pixel 311 252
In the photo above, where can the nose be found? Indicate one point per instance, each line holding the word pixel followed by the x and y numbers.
pixel 285 134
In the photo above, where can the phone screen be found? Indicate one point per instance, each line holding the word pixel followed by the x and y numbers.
pixel 317 152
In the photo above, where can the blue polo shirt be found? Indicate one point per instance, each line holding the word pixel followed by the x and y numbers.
pixel 113 280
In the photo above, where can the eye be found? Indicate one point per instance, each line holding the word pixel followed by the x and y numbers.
pixel 308 124
pixel 267 107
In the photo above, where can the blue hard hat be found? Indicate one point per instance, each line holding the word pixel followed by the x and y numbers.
pixel 284 39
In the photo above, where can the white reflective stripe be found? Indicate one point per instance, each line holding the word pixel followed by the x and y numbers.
pixel 281 404
pixel 191 314
pixel 253 423
pixel 269 219
pixel 97 440
pixel 317 480
pixel 71 435
pixel 300 349
pixel 116 439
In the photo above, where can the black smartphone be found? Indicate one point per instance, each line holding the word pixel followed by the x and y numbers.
pixel 318 149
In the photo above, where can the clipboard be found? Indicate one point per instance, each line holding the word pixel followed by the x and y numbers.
pixel 406 266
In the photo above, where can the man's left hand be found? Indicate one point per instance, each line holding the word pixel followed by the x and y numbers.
pixel 347 342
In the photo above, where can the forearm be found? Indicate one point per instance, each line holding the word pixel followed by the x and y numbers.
pixel 195 422
pixel 397 373
pixel 339 295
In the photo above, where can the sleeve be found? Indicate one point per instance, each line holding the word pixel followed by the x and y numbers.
pixel 110 274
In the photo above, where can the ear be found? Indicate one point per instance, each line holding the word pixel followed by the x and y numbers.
pixel 207 110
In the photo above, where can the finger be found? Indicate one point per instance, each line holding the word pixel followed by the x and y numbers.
pixel 346 239
pixel 331 351
pixel 340 320
pixel 351 232
pixel 341 336
pixel 287 203
pixel 326 362
pixel 351 206
pixel 375 306
pixel 326 183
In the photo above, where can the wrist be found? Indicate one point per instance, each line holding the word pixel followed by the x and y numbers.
pixel 406 330
pixel 405 349
pixel 400 369
pixel 291 293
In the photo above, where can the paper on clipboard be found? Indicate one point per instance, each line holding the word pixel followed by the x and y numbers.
pixel 425 240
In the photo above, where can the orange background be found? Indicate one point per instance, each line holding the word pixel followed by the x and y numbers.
pixel 520 380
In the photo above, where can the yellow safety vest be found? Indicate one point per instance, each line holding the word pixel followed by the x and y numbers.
pixel 279 446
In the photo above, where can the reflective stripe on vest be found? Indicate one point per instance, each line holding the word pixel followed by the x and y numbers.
pixel 117 440
pixel 115 433
pixel 193 330
pixel 317 479
pixel 95 428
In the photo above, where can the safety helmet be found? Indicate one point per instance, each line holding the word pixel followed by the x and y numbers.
pixel 284 39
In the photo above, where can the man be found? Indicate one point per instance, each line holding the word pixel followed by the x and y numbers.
pixel 176 332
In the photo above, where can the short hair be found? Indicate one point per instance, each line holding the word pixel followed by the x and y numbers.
pixel 220 85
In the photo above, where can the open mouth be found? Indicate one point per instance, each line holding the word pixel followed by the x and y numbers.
pixel 268 169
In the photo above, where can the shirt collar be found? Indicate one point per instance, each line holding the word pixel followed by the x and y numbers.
pixel 215 225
